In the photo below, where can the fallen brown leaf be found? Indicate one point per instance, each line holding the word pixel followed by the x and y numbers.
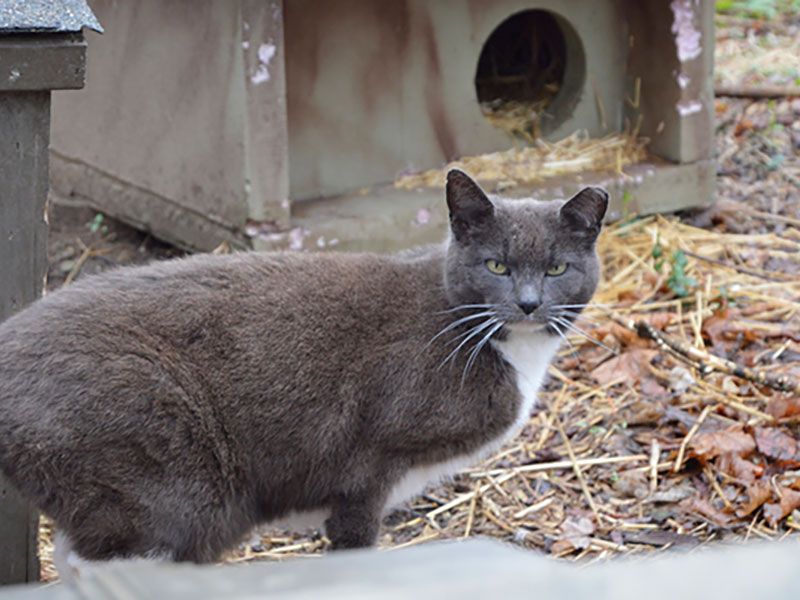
pixel 575 532
pixel 634 484
pixel 776 444
pixel 757 493
pixel 704 508
pixel 784 407
pixel 643 412
pixel 630 365
pixel 739 468
pixel 731 440
pixel 776 511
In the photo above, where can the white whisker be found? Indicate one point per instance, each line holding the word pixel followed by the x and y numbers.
pixel 458 322
pixel 473 332
pixel 575 329
pixel 574 315
pixel 572 349
pixel 473 355
pixel 465 307
pixel 587 305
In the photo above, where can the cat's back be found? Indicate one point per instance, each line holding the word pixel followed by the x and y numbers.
pixel 205 312
pixel 172 291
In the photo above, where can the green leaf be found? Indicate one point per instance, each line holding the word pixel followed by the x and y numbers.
pixel 95 224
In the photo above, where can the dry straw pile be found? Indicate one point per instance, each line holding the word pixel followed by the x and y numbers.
pixel 573 154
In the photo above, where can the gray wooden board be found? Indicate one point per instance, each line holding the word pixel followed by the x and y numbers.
pixel 462 570
pixel 24 135
pixel 42 61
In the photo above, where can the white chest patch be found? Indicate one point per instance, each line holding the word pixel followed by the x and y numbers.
pixel 529 353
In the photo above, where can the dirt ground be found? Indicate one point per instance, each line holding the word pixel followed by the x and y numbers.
pixel 648 441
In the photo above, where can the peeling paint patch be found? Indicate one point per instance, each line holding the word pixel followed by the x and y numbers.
pixel 683 80
pixel 687 36
pixel 423 217
pixel 296 237
pixel 689 107
pixel 321 241
pixel 266 52
pixel 285 204
pixel 245 44
pixel 15 74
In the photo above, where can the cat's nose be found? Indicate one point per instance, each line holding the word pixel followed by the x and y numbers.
pixel 528 307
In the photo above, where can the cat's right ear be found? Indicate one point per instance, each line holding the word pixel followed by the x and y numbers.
pixel 470 208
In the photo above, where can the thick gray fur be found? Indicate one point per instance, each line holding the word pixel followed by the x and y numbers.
pixel 173 407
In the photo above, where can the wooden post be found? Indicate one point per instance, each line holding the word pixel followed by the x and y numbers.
pixel 32 63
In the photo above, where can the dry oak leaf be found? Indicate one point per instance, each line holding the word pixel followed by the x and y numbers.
pixel 576 532
pixel 630 366
pixel 739 468
pixel 776 511
pixel 776 444
pixel 781 407
pixel 757 493
pixel 704 508
pixel 731 440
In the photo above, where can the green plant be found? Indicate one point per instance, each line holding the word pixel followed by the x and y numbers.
pixel 627 198
pixel 96 224
pixel 658 255
pixel 679 282
pixel 760 9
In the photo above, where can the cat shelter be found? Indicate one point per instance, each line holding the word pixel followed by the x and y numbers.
pixel 302 124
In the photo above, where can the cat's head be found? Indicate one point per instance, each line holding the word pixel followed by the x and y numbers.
pixel 530 262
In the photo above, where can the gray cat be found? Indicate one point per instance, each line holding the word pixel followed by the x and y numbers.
pixel 168 410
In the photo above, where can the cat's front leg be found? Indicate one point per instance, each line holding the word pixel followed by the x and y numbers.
pixel 355 520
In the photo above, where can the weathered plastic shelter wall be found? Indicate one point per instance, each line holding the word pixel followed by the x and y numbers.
pixel 284 123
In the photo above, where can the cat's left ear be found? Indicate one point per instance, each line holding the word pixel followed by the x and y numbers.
pixel 470 208
pixel 584 212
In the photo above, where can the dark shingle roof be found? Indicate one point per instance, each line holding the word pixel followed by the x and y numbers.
pixel 57 16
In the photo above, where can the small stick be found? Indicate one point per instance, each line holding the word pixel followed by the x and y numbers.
pixel 693 430
pixel 709 362
pixel 577 468
pixel 542 504
pixel 655 451
pixel 712 479
pixel 471 516
pixel 761 91
pixel 563 464
pixel 742 270
pixel 76 269
pixel 723 399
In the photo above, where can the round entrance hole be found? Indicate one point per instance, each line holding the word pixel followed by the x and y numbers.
pixel 530 73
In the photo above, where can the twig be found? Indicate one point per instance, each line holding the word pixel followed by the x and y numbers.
pixel 743 270
pixel 577 468
pixel 709 362
pixel 655 451
pixel 761 91
pixel 689 436
pixel 564 464
pixel 76 269
pixel 471 516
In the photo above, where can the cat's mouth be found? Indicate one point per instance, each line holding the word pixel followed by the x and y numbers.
pixel 528 326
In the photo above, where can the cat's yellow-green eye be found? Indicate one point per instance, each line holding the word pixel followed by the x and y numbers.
pixel 557 270
pixel 496 267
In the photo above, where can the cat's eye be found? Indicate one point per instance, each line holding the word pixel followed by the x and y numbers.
pixel 557 270
pixel 496 267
